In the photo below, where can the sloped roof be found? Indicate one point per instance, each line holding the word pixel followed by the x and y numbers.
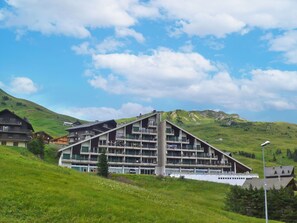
pixel 271 183
pixel 279 171
pixel 23 119
pixel 90 124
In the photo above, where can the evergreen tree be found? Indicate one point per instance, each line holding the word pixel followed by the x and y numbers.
pixel 36 146
pixel 103 165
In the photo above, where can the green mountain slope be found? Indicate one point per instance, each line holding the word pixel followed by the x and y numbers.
pixel 34 191
pixel 231 133
pixel 41 118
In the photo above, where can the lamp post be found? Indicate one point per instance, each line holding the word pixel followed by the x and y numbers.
pixel 265 190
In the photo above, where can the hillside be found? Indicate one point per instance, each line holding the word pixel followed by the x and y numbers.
pixel 234 134
pixel 40 117
pixel 35 191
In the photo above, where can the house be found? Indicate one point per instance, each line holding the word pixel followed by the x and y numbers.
pixel 279 171
pixel 276 183
pixel 149 146
pixel 46 138
pixel 81 132
pixel 62 140
pixel 14 131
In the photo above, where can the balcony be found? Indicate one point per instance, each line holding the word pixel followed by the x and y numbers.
pixel 10 122
pixel 144 131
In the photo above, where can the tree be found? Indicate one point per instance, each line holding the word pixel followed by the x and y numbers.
pixel 103 165
pixel 36 146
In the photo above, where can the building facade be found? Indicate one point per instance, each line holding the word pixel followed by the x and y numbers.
pixel 84 131
pixel 14 131
pixel 149 146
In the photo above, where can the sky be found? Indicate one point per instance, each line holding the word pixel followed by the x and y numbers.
pixel 99 59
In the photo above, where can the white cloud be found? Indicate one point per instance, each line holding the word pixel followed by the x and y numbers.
pixel 191 77
pixel 105 113
pixel 106 46
pixel 73 18
pixel 287 44
pixel 220 18
pixel 124 32
pixel 22 85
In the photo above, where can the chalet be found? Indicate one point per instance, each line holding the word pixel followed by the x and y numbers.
pixel 149 145
pixel 14 131
pixel 46 138
pixel 84 131
pixel 62 140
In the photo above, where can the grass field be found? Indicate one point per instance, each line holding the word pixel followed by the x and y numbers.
pixel 32 190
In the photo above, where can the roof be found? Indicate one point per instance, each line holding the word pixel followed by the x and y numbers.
pixel 90 124
pixel 279 171
pixel 277 183
pixel 23 119
pixel 44 133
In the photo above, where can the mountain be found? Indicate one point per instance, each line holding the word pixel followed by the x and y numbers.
pixel 40 117
pixel 34 191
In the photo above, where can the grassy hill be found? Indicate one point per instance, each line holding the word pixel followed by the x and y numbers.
pixel 34 191
pixel 40 117
pixel 231 133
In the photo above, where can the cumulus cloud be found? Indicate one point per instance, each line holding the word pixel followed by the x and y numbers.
pixel 22 85
pixel 104 113
pixel 220 18
pixel 124 32
pixel 191 77
pixel 73 18
pixel 287 44
pixel 108 45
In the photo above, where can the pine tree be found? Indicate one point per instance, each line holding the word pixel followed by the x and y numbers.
pixel 103 165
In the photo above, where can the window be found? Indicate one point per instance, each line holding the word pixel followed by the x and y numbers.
pixel 15 144
pixel 66 156
pixel 3 143
pixel 85 149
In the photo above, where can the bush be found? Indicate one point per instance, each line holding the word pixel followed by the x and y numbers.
pixel 36 146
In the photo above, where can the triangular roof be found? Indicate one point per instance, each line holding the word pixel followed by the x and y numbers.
pixel 276 183
pixel 23 119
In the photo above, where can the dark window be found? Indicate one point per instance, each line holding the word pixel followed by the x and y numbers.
pixel 15 144
pixel 3 143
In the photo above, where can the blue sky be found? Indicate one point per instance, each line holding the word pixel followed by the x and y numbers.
pixel 102 59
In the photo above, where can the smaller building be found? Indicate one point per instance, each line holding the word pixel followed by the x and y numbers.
pixel 46 138
pixel 276 183
pixel 279 171
pixel 62 140
pixel 14 130
pixel 85 131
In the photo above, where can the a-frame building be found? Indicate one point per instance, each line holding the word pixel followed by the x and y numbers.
pixel 149 146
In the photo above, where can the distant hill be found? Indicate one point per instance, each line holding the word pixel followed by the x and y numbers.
pixel 40 117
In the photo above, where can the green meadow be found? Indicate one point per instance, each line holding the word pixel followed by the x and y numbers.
pixel 32 190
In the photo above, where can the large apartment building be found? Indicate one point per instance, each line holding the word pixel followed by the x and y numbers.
pixel 149 146
pixel 14 131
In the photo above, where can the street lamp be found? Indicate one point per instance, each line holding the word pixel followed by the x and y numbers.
pixel 265 190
